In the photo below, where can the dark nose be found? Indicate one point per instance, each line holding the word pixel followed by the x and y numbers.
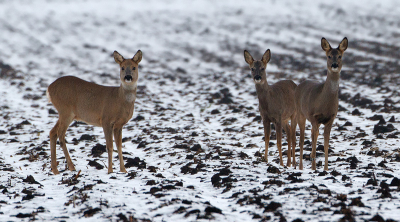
pixel 128 77
pixel 257 77
pixel 335 65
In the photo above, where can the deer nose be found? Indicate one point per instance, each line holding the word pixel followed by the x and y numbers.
pixel 335 65
pixel 257 77
pixel 128 78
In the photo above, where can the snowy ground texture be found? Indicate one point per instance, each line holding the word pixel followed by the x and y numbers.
pixel 192 147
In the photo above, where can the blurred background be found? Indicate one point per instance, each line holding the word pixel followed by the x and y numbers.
pixel 197 110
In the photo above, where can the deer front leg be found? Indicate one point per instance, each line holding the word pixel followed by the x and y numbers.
pixel 302 127
pixel 118 143
pixel 267 132
pixel 293 123
pixel 327 132
pixel 278 127
pixel 314 138
pixel 109 144
pixel 289 141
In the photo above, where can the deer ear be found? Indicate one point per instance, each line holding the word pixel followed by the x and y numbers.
pixel 343 45
pixel 137 57
pixel 325 45
pixel 266 57
pixel 118 57
pixel 248 58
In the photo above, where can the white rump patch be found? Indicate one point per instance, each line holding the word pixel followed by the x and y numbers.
pixel 48 95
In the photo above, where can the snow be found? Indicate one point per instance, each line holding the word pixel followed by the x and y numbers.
pixel 191 50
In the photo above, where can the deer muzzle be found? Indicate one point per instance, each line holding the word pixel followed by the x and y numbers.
pixel 128 78
pixel 335 66
pixel 257 78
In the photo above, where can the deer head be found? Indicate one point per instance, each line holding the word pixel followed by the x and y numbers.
pixel 334 56
pixel 258 66
pixel 128 69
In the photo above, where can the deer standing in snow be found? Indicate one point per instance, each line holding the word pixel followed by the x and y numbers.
pixel 318 102
pixel 276 105
pixel 104 106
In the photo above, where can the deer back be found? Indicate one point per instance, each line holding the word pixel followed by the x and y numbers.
pixel 86 101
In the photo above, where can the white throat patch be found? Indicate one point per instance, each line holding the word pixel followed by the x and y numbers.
pixel 130 86
pixel 334 85
pixel 130 97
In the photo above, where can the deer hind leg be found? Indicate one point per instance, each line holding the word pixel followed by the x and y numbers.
pixel 267 133
pixel 108 134
pixel 302 126
pixel 62 129
pixel 288 131
pixel 118 144
pixel 327 132
pixel 314 138
pixel 293 123
pixel 278 127
pixel 53 144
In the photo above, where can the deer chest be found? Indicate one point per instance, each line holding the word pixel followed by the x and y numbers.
pixel 324 119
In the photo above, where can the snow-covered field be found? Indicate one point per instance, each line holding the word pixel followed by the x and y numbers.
pixel 192 147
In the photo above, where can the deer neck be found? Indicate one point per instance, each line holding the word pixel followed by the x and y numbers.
pixel 262 90
pixel 332 82
pixel 128 92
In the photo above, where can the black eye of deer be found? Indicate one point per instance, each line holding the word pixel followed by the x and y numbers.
pixel 340 57
pixel 252 69
pixel 122 68
pixel 329 56
pixel 133 68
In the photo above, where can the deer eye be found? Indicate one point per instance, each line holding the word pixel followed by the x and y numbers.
pixel 330 57
pixel 340 57
pixel 252 69
pixel 262 69
pixel 122 68
pixel 133 68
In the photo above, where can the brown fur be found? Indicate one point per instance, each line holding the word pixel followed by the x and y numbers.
pixel 276 104
pixel 108 107
pixel 318 102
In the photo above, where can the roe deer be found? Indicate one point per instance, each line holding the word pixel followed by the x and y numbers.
pixel 276 105
pixel 108 107
pixel 318 102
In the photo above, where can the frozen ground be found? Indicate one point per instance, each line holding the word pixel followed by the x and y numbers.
pixel 192 147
